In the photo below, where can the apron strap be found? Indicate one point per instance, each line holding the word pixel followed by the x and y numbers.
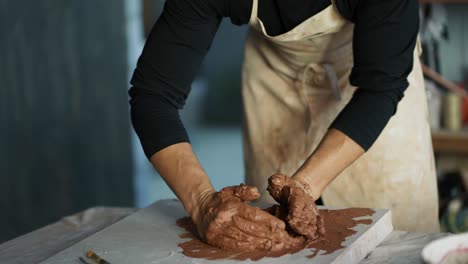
pixel 254 14
pixel 419 46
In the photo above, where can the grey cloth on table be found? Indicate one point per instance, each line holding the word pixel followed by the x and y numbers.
pixel 398 247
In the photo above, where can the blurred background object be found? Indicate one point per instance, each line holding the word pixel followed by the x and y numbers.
pixel 433 30
pixel 452 112
pixel 454 201
pixel 445 55
pixel 66 142
pixel 434 102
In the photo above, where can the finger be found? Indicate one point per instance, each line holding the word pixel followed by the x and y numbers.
pixel 259 228
pixel 237 234
pixel 279 181
pixel 246 193
pixel 297 202
pixel 251 227
pixel 303 215
pixel 242 192
pixel 270 239
pixel 276 187
pixel 227 191
pixel 229 243
pixel 259 216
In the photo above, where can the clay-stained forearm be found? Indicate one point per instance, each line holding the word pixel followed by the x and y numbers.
pixel 181 170
pixel 334 154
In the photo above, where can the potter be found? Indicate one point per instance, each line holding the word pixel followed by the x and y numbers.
pixel 333 97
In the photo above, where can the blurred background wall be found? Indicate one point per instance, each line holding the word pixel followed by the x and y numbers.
pixel 65 133
pixel 453 52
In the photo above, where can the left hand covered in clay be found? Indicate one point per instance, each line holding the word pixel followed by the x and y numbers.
pixel 302 213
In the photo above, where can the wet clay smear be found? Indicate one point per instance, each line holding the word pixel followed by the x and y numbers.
pixel 338 226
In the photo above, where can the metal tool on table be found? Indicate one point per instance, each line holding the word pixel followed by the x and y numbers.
pixel 94 257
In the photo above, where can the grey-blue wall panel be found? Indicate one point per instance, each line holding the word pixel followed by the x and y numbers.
pixel 64 128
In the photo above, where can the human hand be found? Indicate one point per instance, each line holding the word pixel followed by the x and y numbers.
pixel 224 220
pixel 301 213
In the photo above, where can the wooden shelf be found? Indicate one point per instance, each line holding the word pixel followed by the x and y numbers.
pixel 450 142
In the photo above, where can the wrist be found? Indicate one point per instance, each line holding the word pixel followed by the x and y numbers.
pixel 195 206
pixel 183 173
pixel 313 187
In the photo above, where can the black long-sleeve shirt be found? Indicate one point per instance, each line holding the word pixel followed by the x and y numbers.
pixel 383 42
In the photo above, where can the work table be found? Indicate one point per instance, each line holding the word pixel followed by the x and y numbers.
pixel 398 247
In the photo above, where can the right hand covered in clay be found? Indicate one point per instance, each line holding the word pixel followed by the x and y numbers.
pixel 302 214
pixel 224 220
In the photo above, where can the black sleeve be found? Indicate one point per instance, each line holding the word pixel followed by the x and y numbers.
pixel 384 39
pixel 170 60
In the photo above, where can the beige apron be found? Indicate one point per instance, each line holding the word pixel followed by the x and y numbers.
pixel 294 86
